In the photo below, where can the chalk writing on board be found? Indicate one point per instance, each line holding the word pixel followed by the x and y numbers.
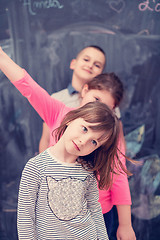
pixel 117 5
pixel 144 31
pixel 34 5
pixel 149 5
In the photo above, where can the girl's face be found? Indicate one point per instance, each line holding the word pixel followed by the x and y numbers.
pixel 92 95
pixel 79 139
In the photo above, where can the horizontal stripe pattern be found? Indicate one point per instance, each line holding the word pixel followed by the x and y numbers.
pixel 48 187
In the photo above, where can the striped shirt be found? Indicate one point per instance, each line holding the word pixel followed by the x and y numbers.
pixel 58 200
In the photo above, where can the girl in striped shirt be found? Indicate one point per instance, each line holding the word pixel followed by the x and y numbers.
pixel 58 196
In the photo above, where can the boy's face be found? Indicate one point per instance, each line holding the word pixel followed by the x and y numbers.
pixel 88 64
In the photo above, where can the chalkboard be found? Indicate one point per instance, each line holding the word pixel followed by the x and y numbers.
pixel 43 37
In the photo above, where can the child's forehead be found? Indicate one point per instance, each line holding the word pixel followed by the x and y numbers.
pixel 88 120
pixel 85 121
pixel 93 53
pixel 89 51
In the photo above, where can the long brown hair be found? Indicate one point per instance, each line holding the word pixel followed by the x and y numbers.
pixel 102 160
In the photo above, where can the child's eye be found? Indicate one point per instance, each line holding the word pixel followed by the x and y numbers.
pixel 84 129
pixel 94 142
pixel 97 65
pixel 97 99
pixel 86 59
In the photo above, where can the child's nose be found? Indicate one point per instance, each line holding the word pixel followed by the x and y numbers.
pixel 83 140
pixel 90 64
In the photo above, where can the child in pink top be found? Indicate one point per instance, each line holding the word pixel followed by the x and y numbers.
pixel 52 112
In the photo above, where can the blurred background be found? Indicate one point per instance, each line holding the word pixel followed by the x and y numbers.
pixel 43 37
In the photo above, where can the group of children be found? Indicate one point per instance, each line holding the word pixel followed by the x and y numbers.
pixel 82 145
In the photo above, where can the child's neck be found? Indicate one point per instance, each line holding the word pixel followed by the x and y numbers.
pixel 61 154
pixel 77 83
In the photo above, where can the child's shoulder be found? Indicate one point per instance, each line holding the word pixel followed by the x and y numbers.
pixel 70 100
pixel 39 161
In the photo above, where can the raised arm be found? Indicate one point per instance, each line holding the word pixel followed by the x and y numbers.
pixel 47 107
pixel 12 71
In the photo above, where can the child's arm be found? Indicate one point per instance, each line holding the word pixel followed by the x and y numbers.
pixel 125 230
pixel 28 190
pixel 47 107
pixel 121 197
pixel 12 71
pixel 45 138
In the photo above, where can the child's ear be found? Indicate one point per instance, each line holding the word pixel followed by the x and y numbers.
pixel 84 90
pixel 72 64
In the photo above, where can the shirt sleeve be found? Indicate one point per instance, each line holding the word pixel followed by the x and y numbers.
pixel 46 106
pixel 95 209
pixel 28 191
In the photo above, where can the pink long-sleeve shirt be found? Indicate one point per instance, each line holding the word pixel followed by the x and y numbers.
pixel 52 112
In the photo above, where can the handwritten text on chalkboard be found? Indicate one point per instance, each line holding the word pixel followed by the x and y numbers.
pixel 34 5
pixel 150 5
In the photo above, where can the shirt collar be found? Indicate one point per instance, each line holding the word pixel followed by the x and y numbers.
pixel 71 89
